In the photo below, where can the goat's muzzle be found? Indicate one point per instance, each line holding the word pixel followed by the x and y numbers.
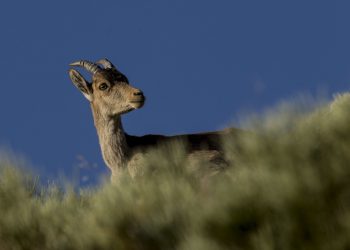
pixel 137 99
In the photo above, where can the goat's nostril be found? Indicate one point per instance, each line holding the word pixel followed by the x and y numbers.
pixel 138 93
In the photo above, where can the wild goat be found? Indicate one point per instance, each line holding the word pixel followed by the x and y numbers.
pixel 110 95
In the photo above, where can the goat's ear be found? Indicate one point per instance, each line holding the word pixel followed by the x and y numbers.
pixel 80 82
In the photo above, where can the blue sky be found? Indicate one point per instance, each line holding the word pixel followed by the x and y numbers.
pixel 200 63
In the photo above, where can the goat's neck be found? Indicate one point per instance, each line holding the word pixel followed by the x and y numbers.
pixel 112 140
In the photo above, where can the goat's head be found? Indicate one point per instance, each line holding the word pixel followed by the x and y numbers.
pixel 109 92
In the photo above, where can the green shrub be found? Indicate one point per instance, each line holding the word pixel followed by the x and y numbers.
pixel 287 187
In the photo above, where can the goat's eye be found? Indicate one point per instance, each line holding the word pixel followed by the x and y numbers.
pixel 103 86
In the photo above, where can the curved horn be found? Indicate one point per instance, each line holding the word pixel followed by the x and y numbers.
pixel 106 63
pixel 89 66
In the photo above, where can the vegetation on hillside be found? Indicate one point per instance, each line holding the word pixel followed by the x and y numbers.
pixel 288 187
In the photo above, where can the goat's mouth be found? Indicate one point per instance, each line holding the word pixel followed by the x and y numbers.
pixel 136 104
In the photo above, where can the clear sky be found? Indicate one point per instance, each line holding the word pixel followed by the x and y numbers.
pixel 200 63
